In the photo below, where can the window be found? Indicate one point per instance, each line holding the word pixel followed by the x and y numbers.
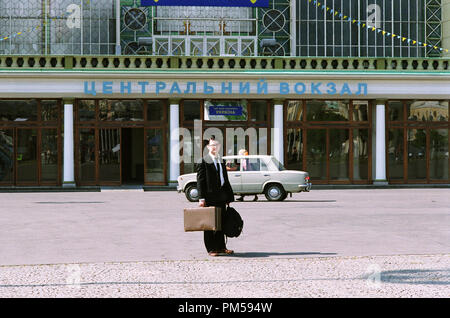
pixel 233 165
pixel 295 111
pixel 322 33
pixel 333 142
pixel 191 110
pixel 360 110
pixel 258 110
pixel 418 141
pixel 251 164
pixel 427 111
pixel 264 166
pixel 49 110
pixel 278 164
pixel 155 110
pixel 18 110
pixel 395 109
pixel 121 110
pixel 317 110
pixel 86 110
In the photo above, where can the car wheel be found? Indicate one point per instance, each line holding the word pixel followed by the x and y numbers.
pixel 275 192
pixel 191 193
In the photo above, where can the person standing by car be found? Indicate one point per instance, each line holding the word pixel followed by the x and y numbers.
pixel 214 189
pixel 245 167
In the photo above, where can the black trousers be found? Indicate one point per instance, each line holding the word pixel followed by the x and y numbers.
pixel 215 240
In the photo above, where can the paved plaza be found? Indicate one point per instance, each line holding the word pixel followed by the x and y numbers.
pixel 129 243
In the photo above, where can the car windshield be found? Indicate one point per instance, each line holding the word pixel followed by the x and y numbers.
pixel 278 164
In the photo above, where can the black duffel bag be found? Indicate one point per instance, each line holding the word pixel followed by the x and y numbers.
pixel 233 223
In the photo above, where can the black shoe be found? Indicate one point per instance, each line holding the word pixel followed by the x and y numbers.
pixel 255 198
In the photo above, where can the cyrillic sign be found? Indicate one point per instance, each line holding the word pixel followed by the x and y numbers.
pixel 260 88
pixel 207 3
pixel 225 110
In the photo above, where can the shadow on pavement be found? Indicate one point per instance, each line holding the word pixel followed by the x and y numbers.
pixel 259 201
pixel 310 201
pixel 269 254
pixel 417 277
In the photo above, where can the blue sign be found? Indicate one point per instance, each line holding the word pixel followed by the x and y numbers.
pixel 217 110
pixel 192 88
pixel 207 3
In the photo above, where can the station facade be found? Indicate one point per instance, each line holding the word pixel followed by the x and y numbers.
pixel 371 111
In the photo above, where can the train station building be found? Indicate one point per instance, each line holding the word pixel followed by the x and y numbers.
pixel 98 93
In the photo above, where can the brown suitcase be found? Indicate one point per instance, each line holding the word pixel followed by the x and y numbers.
pixel 202 219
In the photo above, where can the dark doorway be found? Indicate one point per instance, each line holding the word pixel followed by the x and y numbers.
pixel 133 155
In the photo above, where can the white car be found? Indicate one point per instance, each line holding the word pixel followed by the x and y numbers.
pixel 254 175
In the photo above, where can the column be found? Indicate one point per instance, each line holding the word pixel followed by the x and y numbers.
pixel 380 143
pixel 174 125
pixel 278 137
pixel 118 23
pixel 69 166
pixel 445 9
pixel 293 31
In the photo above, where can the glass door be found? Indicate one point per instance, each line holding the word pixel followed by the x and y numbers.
pixel 396 154
pixel 316 154
pixel 328 154
pixel 360 154
pixel 439 159
pixel 6 156
pixel 109 168
pixel 29 156
pixel 417 154
pixel 26 157
pixel 49 155
pixel 133 156
pixel 155 163
pixel 87 156
pixel 339 154
pixel 294 154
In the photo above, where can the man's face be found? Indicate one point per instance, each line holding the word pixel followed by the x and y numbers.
pixel 214 148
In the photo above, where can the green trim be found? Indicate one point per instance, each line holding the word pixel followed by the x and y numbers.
pixel 68 61
pixel 185 71
pixel 174 101
pixel 68 101
pixel 380 102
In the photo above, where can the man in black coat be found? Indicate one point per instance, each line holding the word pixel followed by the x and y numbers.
pixel 214 190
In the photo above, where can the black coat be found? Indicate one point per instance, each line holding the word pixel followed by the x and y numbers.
pixel 208 185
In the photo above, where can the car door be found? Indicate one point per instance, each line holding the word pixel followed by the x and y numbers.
pixel 254 177
pixel 234 175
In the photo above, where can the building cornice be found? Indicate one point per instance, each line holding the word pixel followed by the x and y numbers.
pixel 224 75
